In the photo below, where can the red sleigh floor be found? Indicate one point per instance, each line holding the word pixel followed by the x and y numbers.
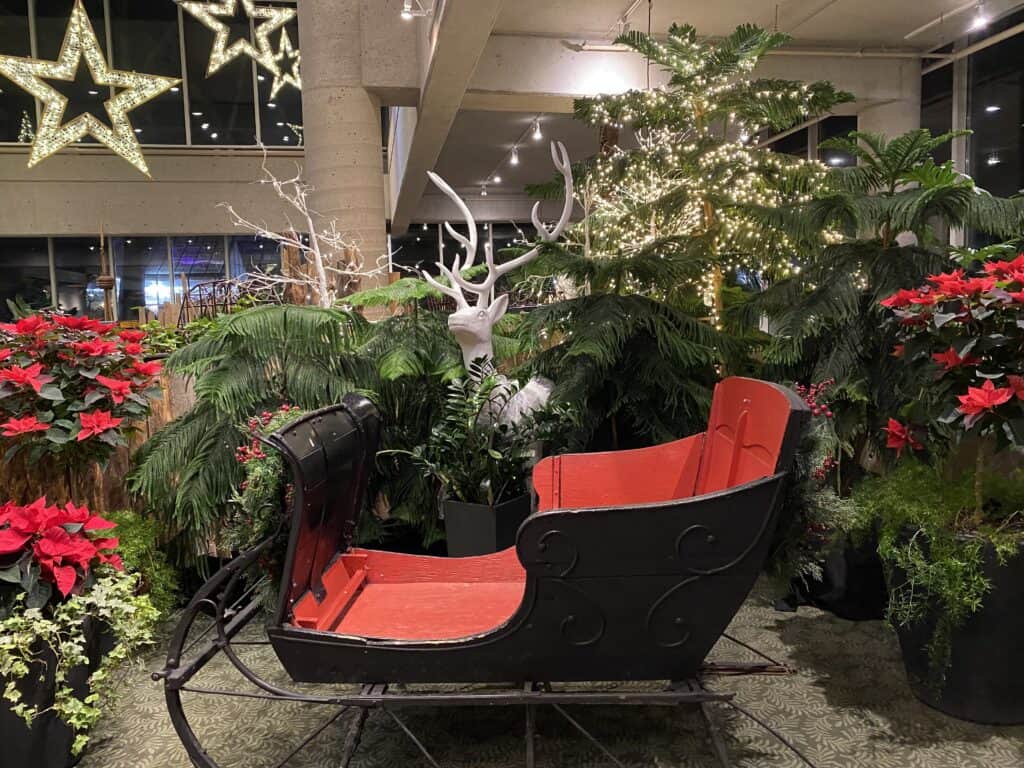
pixel 388 596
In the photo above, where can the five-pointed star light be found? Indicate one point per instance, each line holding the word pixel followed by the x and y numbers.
pixel 131 89
pixel 211 15
pixel 289 62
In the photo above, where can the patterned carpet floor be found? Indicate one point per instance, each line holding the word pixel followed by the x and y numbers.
pixel 846 706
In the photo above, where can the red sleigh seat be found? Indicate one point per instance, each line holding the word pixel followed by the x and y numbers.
pixel 381 596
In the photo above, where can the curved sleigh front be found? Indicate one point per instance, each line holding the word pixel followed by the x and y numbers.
pixel 631 569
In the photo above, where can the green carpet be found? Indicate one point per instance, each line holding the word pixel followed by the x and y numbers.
pixel 847 705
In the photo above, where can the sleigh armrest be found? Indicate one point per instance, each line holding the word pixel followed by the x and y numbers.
pixel 617 478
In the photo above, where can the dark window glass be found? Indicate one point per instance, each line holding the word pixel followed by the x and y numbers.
pixel 145 39
pixel 221 105
pixel 996 100
pixel 200 259
pixel 24 273
pixel 794 144
pixel 77 261
pixel 17 108
pixel 83 95
pixel 281 115
pixel 832 128
pixel 251 254
pixel 937 108
pixel 143 276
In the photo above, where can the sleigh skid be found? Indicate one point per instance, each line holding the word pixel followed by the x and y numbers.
pixel 631 570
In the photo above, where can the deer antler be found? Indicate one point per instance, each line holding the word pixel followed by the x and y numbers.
pixel 560 158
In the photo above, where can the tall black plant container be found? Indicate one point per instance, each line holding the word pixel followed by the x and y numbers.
pixel 47 743
pixel 480 529
pixel 985 679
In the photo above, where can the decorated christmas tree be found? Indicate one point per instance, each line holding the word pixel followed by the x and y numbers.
pixel 673 229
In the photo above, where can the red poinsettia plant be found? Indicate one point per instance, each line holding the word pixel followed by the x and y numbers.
pixel 43 546
pixel 964 330
pixel 71 387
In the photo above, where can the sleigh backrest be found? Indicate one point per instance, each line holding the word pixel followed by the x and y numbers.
pixel 330 453
pixel 753 432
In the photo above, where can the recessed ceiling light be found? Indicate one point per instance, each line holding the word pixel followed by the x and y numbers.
pixel 197 114
pixel 537 134
pixel 992 108
pixel 205 126
pixel 175 89
pixel 993 159
pixel 213 135
pixel 514 160
pixel 94 93
pixel 271 105
pixel 497 179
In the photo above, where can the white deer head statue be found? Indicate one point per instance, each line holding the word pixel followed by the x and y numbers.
pixel 472 324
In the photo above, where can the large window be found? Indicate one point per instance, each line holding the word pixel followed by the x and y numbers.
pixel 835 128
pixel 233 107
pixel 145 39
pixel 996 113
pixel 143 276
pixel 17 108
pixel 199 259
pixel 25 271
pixel 77 265
pixel 253 255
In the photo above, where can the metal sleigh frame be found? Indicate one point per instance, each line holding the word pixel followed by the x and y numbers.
pixel 552 602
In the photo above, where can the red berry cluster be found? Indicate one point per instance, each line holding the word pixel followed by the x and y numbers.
pixel 827 466
pixel 254 449
pixel 812 396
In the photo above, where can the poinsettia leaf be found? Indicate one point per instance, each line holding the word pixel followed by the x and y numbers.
pixel 77 406
pixel 44 416
pixel 965 345
pixel 93 396
pixel 64 424
pixel 11 452
pixel 11 575
pixel 73 527
pixel 941 318
pixel 89 373
pixel 39 595
pixel 29 575
pixel 58 436
pixel 50 392
pixel 1016 430
pixel 111 437
pixel 982 314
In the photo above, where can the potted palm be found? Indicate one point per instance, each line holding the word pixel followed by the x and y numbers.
pixel 952 523
pixel 479 460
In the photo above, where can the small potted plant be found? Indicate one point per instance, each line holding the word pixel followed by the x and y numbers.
pixel 951 514
pixel 480 461
pixel 69 614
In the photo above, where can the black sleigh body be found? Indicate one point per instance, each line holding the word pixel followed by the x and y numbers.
pixel 631 569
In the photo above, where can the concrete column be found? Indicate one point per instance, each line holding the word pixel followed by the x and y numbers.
pixel 341 124
pixel 899 115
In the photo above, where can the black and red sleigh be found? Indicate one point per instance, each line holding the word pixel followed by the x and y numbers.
pixel 631 569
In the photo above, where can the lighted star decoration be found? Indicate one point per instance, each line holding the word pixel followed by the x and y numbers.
pixel 211 15
pixel 131 90
pixel 289 60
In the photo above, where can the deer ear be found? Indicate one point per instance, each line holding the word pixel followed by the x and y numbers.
pixel 498 308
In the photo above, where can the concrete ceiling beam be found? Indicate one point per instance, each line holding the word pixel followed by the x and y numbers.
pixel 461 37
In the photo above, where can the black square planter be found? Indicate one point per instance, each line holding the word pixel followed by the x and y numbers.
pixel 479 529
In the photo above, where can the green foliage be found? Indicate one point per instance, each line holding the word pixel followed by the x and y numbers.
pixel 872 229
pixel 472 452
pixel 668 243
pixel 111 601
pixel 140 544
pixel 933 551
pixel 259 359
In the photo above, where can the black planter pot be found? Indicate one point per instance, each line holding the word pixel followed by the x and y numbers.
pixel 47 744
pixel 852 585
pixel 479 529
pixel 985 680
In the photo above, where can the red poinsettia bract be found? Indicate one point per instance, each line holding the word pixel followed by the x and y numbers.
pixel 949 359
pixel 30 376
pixel 119 388
pixel 96 423
pixel 25 426
pixel 981 400
pixel 60 539
pixel 95 348
pixel 899 437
